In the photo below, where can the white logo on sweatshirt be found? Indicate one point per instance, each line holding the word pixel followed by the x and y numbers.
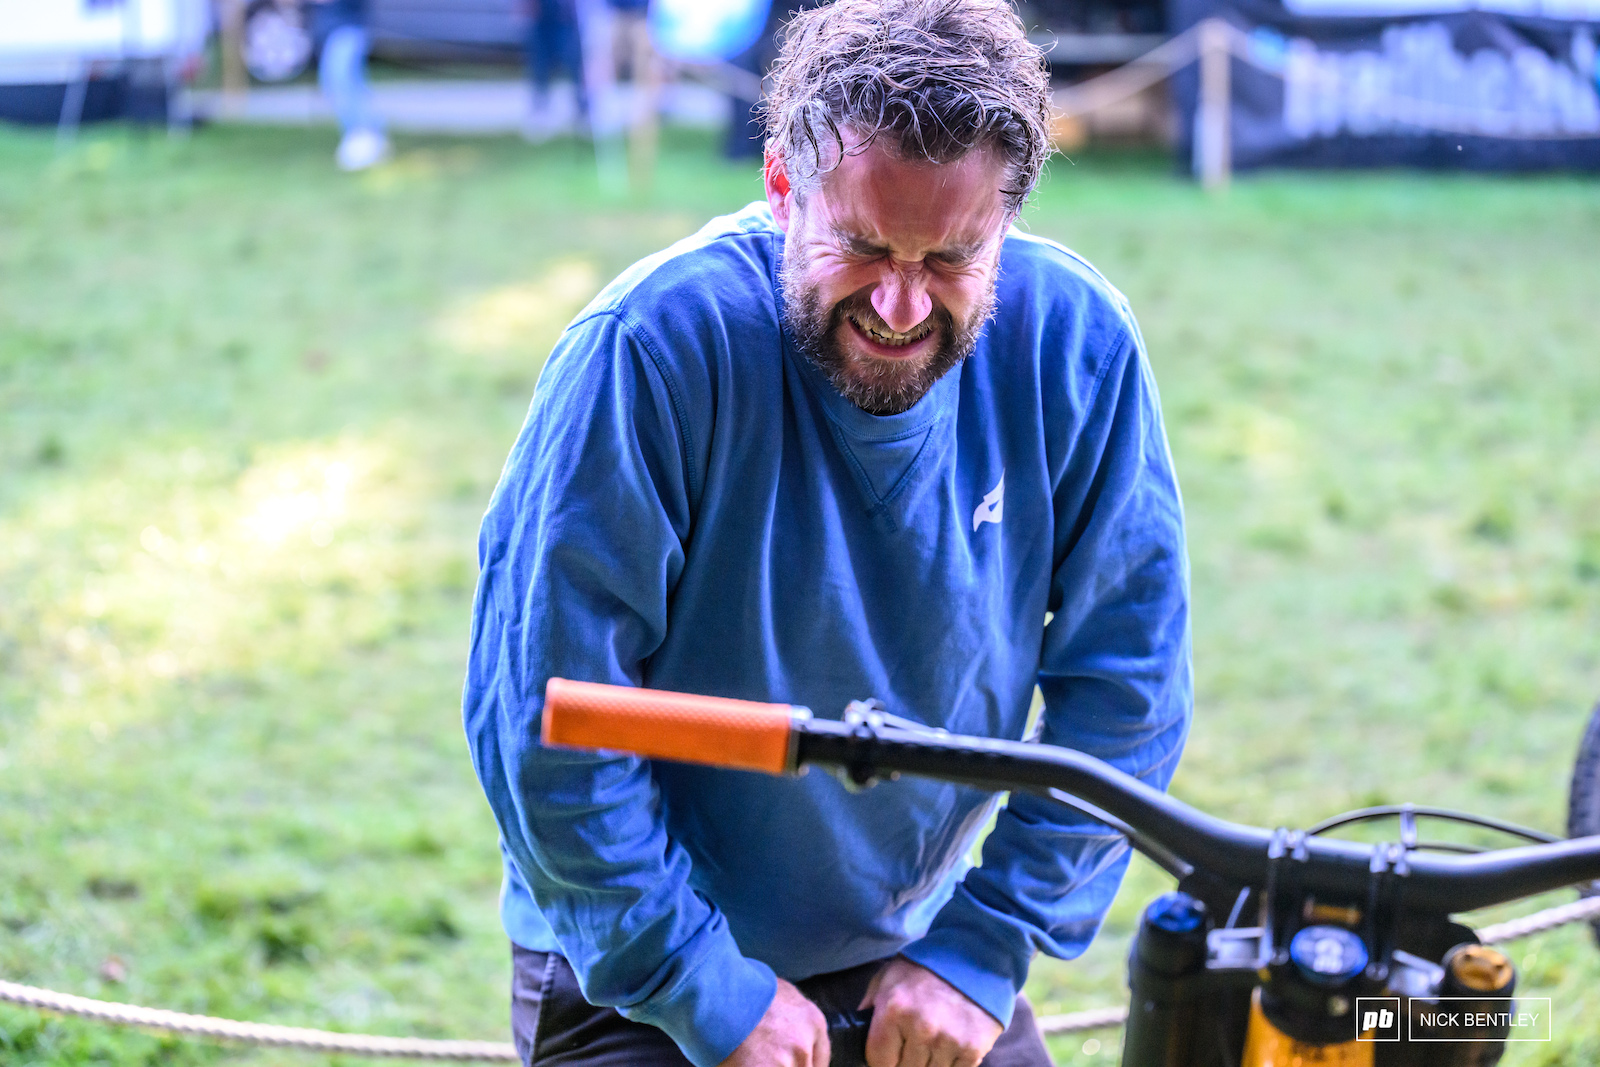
pixel 993 503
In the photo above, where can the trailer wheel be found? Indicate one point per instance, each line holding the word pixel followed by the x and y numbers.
pixel 1583 801
pixel 277 43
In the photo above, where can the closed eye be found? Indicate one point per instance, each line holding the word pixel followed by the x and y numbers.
pixel 958 257
pixel 858 248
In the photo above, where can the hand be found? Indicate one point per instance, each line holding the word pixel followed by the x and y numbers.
pixel 792 1033
pixel 920 1020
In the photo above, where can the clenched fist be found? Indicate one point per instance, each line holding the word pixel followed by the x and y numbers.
pixel 792 1033
pixel 920 1020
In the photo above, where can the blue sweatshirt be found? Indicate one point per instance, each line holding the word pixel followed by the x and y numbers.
pixel 691 506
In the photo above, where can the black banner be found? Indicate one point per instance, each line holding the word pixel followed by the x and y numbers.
pixel 1361 83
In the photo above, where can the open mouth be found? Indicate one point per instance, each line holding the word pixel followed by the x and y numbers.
pixel 878 332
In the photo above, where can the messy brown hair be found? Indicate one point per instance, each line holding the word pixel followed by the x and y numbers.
pixel 933 79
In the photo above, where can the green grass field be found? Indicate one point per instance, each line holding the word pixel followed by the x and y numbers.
pixel 251 410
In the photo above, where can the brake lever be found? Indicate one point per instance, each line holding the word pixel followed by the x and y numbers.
pixel 866 718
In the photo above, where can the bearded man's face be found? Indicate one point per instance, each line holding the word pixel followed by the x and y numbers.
pixel 889 268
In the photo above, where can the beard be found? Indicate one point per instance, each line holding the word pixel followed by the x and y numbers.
pixel 874 384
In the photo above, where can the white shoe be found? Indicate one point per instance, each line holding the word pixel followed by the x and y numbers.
pixel 360 149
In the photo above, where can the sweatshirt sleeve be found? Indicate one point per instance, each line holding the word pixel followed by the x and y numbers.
pixel 1116 677
pixel 580 550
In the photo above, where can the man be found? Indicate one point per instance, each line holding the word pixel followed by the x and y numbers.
pixel 746 134
pixel 340 27
pixel 863 440
pixel 633 50
pixel 553 42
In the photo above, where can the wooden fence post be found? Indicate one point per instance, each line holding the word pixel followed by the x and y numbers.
pixel 235 79
pixel 1213 138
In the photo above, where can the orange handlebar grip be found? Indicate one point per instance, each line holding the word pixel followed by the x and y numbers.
pixel 714 731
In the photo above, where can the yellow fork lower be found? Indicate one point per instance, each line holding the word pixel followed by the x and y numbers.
pixel 1267 1046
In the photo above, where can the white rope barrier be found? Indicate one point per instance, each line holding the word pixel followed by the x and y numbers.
pixel 1578 911
pixel 1079 1021
pixel 1130 79
pixel 252 1033
pixel 413 1048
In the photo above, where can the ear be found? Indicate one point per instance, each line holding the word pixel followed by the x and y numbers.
pixel 779 195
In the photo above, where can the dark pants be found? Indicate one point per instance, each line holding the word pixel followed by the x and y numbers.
pixel 330 15
pixel 552 1023
pixel 554 43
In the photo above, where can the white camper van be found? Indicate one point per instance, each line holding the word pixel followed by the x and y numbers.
pixel 67 61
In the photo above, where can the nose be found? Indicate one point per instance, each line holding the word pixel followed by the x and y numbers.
pixel 901 296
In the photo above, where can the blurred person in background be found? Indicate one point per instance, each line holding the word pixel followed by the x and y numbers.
pixel 555 42
pixel 745 136
pixel 633 52
pixel 631 38
pixel 340 26
pixel 862 438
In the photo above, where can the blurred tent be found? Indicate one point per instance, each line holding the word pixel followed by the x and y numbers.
pixel 69 61
pixel 705 31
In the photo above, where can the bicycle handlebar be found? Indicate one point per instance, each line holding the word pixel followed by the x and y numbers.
pixel 741 734
pixel 781 739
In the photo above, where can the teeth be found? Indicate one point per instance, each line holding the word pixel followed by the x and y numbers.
pixel 892 338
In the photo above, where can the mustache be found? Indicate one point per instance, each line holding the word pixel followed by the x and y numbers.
pixel 858 306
